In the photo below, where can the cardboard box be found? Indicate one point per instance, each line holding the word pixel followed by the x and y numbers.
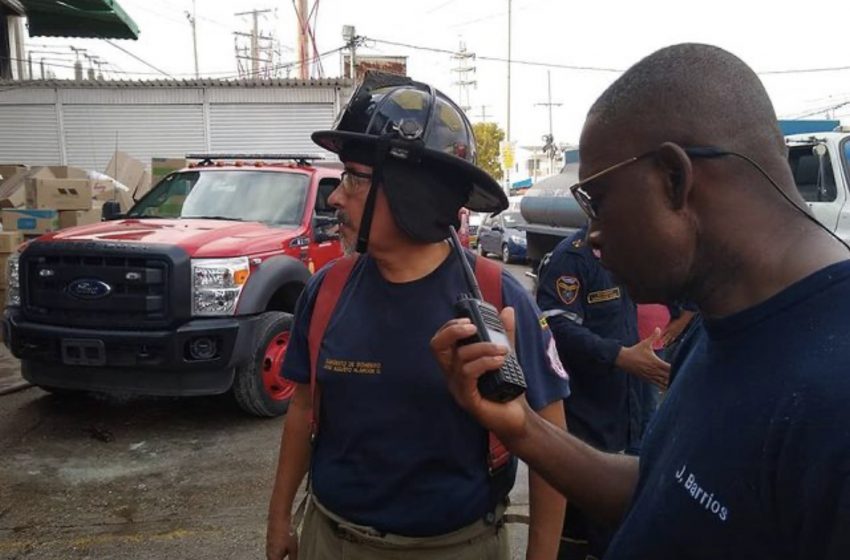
pixel 59 194
pixel 13 191
pixel 9 170
pixel 30 221
pixel 71 218
pixel 160 167
pixel 9 241
pixel 126 169
pixel 108 189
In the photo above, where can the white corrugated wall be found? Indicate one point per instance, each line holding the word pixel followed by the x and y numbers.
pixel 29 133
pixel 157 121
pixel 93 132
pixel 267 128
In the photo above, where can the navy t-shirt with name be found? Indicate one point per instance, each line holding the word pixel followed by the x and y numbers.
pixel 749 455
pixel 394 451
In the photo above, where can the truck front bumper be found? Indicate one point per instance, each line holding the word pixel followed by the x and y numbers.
pixel 137 362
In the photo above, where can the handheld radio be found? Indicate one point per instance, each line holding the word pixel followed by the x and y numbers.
pixel 508 382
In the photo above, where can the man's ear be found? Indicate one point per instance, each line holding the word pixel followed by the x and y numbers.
pixel 679 173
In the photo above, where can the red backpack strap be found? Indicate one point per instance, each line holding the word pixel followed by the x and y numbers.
pixel 329 292
pixel 489 276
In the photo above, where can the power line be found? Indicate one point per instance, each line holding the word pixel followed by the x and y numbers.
pixel 499 59
pixel 223 75
pixel 148 64
pixel 580 67
pixel 804 70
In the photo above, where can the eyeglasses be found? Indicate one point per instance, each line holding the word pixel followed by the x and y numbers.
pixel 591 208
pixel 351 180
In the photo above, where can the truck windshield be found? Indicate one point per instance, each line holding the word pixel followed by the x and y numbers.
pixel 270 197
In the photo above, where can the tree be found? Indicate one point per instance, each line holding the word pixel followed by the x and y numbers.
pixel 487 137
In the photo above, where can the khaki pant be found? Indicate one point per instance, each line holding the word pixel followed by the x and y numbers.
pixel 326 536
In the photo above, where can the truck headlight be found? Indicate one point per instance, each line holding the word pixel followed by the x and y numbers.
pixel 13 281
pixel 217 285
pixel 518 239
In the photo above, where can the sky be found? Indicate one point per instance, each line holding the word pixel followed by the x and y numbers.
pixel 769 36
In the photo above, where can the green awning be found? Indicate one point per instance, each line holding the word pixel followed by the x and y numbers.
pixel 98 19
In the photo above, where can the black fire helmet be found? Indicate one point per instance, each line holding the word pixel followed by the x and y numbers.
pixel 422 150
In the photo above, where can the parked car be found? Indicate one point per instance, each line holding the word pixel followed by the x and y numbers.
pixel 499 235
pixel 191 293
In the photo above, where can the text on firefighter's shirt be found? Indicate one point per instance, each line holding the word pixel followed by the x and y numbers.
pixel 352 366
pixel 702 496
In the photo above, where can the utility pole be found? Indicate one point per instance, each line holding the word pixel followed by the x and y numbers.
pixel 303 38
pixel 549 139
pixel 349 35
pixel 482 116
pixel 192 20
pixel 464 69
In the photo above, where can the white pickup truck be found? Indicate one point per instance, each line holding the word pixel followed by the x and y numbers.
pixel 820 163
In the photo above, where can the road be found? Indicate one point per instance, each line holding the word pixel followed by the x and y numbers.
pixel 141 478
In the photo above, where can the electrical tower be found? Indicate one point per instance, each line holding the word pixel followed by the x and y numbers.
pixel 257 51
pixel 464 70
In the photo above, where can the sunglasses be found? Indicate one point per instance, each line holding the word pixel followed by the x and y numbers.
pixel 591 208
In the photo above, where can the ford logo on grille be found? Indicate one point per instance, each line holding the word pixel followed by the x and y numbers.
pixel 89 288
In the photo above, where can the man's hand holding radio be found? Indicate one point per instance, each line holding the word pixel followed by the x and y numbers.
pixel 464 364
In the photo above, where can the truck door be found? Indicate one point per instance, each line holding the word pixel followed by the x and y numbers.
pixel 816 181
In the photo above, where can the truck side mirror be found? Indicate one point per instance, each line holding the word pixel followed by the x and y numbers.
pixel 111 210
pixel 325 228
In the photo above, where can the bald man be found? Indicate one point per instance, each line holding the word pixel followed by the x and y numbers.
pixel 685 179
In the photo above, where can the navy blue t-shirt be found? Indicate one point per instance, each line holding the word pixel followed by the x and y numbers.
pixel 394 451
pixel 749 455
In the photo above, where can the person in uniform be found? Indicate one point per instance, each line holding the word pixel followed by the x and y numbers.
pixel 612 372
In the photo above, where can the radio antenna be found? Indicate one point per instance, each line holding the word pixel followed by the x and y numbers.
pixel 464 264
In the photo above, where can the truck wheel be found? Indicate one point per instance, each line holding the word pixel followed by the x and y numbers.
pixel 258 387
pixel 506 254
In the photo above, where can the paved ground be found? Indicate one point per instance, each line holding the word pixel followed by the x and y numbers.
pixel 141 478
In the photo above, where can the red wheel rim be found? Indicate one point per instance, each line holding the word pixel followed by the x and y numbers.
pixel 277 388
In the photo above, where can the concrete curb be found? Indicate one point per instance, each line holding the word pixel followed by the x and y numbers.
pixel 14 387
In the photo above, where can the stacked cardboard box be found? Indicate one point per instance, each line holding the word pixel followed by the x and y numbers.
pixel 131 173
pixel 49 193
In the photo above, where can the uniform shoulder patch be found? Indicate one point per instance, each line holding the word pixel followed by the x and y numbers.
pixel 568 288
pixel 604 295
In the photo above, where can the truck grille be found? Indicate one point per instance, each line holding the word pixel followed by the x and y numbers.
pixel 86 290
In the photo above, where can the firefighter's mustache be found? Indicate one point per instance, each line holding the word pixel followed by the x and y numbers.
pixel 343 219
